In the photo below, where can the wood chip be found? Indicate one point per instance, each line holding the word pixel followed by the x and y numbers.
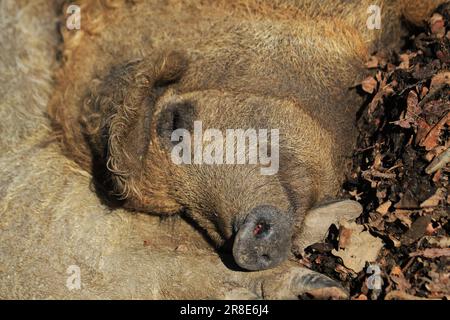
pixel 432 253
pixel 384 207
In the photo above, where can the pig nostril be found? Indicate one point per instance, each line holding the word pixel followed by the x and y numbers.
pixel 257 229
pixel 265 258
pixel 260 229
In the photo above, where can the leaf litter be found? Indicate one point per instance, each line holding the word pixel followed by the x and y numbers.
pixel 400 174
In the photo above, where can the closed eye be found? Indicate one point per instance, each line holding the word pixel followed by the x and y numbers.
pixel 175 116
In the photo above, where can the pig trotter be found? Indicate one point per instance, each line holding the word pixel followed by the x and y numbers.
pixel 294 282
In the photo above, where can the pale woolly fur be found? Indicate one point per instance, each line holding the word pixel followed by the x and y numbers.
pixel 25 72
pixel 49 216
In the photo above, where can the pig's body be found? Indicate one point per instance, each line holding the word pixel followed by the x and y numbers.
pixel 239 65
pixel 138 72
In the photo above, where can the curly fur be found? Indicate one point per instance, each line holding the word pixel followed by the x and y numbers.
pixel 51 219
pixel 113 108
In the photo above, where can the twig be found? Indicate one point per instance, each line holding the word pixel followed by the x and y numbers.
pixel 439 162
pixel 378 174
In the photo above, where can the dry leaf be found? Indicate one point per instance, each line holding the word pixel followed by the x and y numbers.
pixel 405 58
pixel 404 217
pixel 431 230
pixel 439 162
pixel 369 84
pixel 437 25
pixel 344 236
pixel 417 230
pixel 431 140
pixel 434 200
pixel 439 80
pixel 361 247
pixel 407 201
pixel 423 92
pixel 441 242
pixel 404 64
pixel 422 130
pixel 434 152
pixel 404 123
pixel 412 103
pixel 372 62
pixel 384 207
pixel 399 279
pixel 385 90
pixel 439 286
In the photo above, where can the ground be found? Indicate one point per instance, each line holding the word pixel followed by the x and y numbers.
pixel 400 174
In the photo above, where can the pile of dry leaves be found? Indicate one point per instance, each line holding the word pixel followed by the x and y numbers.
pixel 400 175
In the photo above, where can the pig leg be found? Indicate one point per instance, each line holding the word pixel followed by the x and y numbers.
pixel 290 281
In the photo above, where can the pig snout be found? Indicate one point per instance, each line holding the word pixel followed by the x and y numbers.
pixel 263 239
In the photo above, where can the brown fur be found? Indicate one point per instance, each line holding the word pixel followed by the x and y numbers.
pixel 50 219
pixel 287 65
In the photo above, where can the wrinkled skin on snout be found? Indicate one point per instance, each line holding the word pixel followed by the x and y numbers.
pixel 263 240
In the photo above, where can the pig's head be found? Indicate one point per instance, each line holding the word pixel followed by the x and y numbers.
pixel 132 121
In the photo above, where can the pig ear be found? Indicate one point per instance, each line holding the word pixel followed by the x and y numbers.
pixel 117 112
pixel 319 219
